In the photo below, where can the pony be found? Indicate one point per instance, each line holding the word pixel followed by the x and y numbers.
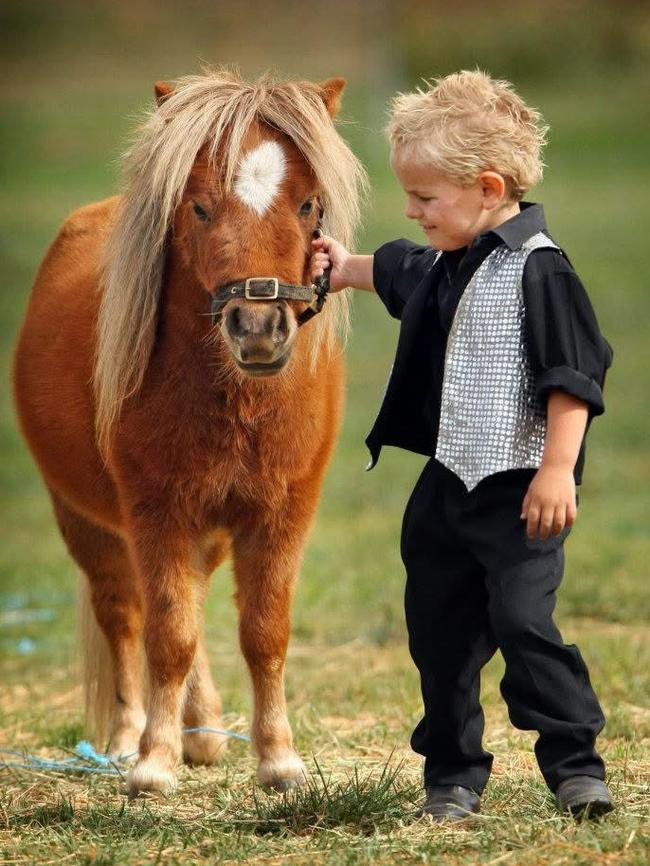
pixel 170 438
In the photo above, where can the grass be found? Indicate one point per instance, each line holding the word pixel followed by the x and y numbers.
pixel 352 690
pixel 364 787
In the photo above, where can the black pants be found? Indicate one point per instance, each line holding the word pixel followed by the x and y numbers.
pixel 476 583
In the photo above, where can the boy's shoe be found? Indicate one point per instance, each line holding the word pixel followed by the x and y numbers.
pixel 450 803
pixel 584 797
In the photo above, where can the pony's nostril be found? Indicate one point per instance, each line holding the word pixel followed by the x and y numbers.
pixel 233 322
pixel 275 323
pixel 281 323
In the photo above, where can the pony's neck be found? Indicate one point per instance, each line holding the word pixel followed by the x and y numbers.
pixel 185 305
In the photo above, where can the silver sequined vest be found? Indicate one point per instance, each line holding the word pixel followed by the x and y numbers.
pixel 490 417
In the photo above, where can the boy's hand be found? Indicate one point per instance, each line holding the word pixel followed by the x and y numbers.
pixel 550 502
pixel 327 251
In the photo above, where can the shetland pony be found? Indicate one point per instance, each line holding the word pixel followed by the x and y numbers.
pixel 168 441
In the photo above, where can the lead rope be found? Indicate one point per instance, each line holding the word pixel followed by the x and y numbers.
pixel 321 284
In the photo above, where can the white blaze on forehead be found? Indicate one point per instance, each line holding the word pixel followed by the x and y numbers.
pixel 259 175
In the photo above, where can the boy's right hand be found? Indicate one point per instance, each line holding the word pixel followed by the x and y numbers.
pixel 325 252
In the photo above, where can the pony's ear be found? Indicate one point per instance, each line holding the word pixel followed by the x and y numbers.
pixel 332 90
pixel 162 91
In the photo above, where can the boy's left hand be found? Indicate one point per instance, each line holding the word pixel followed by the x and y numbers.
pixel 550 502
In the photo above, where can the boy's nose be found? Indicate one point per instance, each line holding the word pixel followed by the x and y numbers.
pixel 411 211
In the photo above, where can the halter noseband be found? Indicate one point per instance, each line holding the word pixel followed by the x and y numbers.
pixel 270 288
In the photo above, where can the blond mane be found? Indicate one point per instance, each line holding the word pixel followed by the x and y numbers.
pixel 216 109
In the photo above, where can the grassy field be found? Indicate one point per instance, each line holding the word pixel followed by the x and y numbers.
pixel 353 693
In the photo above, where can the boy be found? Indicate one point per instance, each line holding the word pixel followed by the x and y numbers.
pixel 499 370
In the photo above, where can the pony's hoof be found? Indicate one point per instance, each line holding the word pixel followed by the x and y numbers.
pixel 285 785
pixel 204 747
pixel 282 774
pixel 150 777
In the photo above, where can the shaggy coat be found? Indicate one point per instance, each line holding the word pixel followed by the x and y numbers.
pixel 168 443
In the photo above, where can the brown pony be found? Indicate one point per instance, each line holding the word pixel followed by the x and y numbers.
pixel 168 441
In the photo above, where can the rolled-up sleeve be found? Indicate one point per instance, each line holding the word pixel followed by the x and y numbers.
pixel 566 348
pixel 398 267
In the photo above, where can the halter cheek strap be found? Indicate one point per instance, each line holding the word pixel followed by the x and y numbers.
pixel 320 288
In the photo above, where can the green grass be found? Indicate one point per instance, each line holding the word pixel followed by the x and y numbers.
pixel 364 785
pixel 352 690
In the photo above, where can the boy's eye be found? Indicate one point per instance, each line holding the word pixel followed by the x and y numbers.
pixel 426 197
pixel 200 212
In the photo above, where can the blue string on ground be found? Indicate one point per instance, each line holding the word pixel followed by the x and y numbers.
pixel 233 734
pixel 96 762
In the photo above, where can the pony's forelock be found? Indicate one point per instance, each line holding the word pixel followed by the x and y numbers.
pixel 216 109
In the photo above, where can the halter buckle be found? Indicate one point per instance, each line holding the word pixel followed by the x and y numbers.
pixel 261 288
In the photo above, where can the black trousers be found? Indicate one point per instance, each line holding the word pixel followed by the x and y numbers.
pixel 476 583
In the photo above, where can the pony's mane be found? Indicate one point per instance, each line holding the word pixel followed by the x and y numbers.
pixel 216 109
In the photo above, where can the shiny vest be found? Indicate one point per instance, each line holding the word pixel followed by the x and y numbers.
pixel 490 417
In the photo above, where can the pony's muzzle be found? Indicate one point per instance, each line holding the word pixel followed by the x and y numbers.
pixel 258 334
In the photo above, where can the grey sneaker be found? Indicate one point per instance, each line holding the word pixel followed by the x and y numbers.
pixel 584 797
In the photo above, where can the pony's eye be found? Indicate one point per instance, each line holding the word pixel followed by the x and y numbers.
pixel 201 214
pixel 307 207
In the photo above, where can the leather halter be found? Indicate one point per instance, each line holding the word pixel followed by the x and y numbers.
pixel 270 288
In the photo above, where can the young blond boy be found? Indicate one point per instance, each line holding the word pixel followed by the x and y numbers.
pixel 499 369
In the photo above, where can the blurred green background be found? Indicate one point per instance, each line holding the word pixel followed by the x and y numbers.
pixel 74 77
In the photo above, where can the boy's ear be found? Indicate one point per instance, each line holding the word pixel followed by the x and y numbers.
pixel 493 187
pixel 332 90
pixel 162 91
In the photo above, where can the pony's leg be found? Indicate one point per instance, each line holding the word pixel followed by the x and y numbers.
pixel 202 707
pixel 164 559
pixel 116 700
pixel 266 565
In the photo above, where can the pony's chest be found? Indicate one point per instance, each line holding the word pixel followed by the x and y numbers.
pixel 215 456
pixel 252 458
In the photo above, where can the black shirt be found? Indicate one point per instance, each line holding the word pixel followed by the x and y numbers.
pixel 565 346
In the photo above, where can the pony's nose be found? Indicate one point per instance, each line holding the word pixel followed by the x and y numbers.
pixel 259 329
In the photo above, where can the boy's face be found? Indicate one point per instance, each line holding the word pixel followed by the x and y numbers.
pixel 450 215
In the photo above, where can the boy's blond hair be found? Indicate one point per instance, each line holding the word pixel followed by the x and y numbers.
pixel 467 123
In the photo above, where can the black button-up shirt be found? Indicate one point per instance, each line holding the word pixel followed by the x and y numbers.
pixel 565 346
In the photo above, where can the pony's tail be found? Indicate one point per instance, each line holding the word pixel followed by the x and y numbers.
pixel 96 669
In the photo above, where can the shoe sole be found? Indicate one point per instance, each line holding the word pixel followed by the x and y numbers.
pixel 445 816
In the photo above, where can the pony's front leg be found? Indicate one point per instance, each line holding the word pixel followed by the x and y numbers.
pixel 170 637
pixel 266 565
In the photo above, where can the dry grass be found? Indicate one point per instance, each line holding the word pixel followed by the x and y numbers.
pixel 352 705
pixel 359 804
